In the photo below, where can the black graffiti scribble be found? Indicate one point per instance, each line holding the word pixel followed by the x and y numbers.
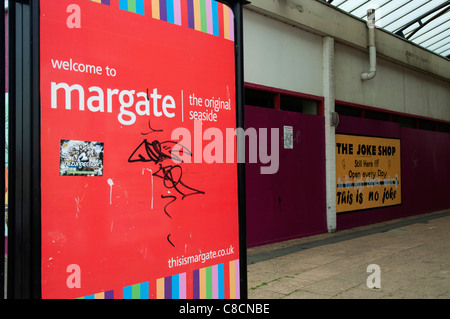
pixel 174 198
pixel 168 239
pixel 152 130
pixel 171 175
pixel 157 152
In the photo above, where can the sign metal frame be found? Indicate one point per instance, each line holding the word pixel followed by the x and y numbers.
pixel 24 244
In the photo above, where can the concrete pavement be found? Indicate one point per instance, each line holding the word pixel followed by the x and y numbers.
pixel 413 256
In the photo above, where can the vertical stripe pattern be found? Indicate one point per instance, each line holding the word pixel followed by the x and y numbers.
pixel 137 291
pixel 208 16
pixel 135 6
pixel 107 2
pixel 173 287
pixel 221 281
pixel 101 295
pixel 234 279
pixel 209 282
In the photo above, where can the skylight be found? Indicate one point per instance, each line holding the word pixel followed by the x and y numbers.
pixel 423 22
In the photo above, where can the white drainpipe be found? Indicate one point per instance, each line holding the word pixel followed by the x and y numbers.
pixel 372 48
pixel 330 127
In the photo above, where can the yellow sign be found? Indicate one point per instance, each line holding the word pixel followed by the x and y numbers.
pixel 367 172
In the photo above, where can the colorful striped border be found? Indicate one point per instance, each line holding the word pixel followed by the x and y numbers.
pixel 173 287
pixel 137 291
pixel 101 295
pixel 135 6
pixel 234 280
pixel 107 2
pixel 207 16
pixel 221 281
pixel 209 282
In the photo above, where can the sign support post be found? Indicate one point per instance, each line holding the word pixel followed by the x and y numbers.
pixel 2 142
pixel 237 8
pixel 24 240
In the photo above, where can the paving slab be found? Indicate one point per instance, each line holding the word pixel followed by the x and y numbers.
pixel 413 255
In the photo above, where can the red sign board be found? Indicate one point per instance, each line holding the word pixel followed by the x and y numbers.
pixel 139 198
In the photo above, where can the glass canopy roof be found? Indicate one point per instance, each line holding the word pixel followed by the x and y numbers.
pixel 423 22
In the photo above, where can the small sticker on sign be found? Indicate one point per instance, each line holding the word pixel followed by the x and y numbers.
pixel 81 158
pixel 288 137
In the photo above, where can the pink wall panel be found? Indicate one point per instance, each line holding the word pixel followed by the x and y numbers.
pixel 290 203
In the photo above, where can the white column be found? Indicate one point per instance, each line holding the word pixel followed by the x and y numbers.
pixel 330 148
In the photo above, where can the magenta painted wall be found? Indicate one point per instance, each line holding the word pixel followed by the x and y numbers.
pixel 290 203
pixel 425 171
